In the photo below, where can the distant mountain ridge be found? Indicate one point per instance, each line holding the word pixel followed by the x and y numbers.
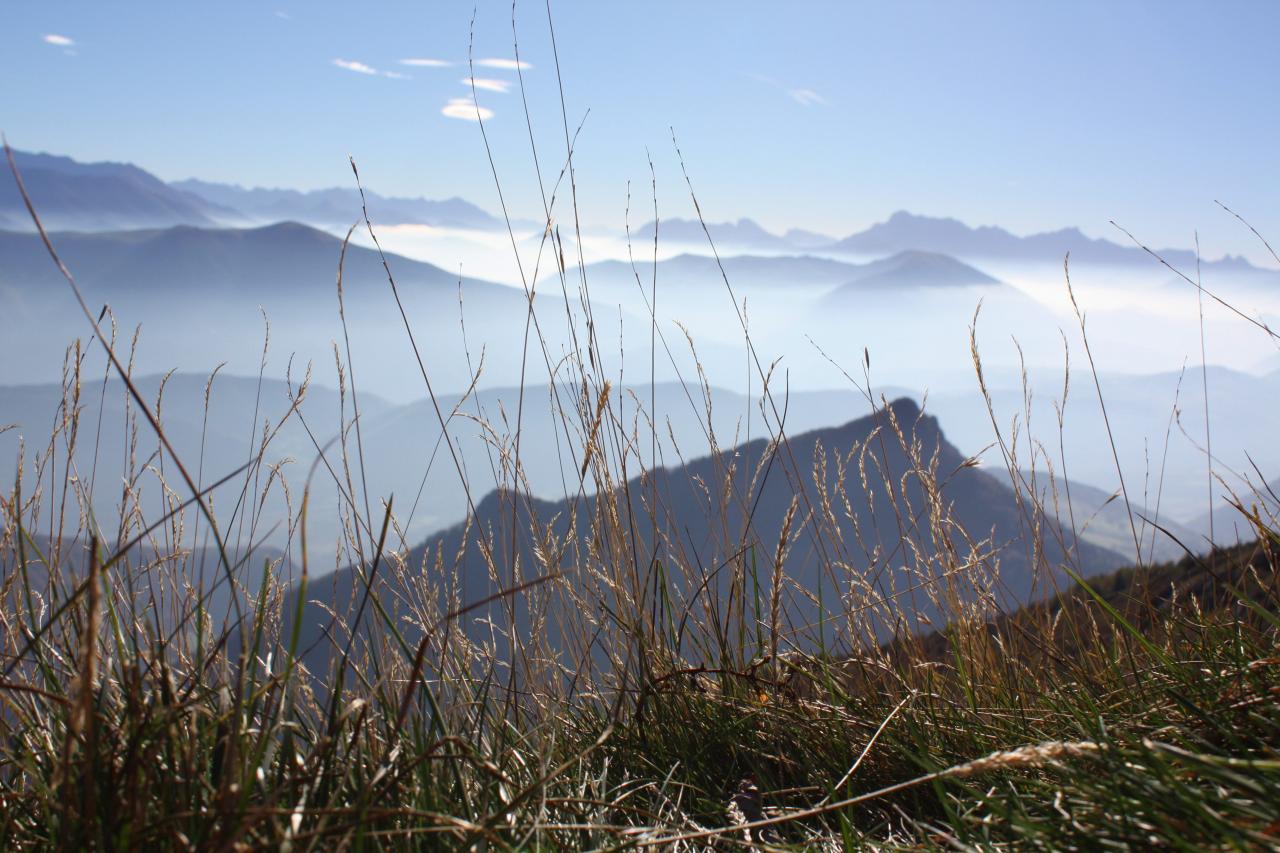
pixel 199 262
pixel 910 269
pixel 93 196
pixel 338 207
pixel 1102 518
pixel 71 195
pixel 1228 525
pixel 905 231
pixel 838 279
pixel 204 295
pixel 745 233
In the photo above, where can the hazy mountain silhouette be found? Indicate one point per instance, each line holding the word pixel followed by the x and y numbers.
pixel 1229 526
pixel 688 272
pixel 1162 451
pixel 94 196
pixel 907 270
pixel 786 272
pixel 743 234
pixel 1100 517
pixel 114 196
pixel 200 295
pixel 285 259
pixel 338 207
pixel 190 573
pixel 905 230
pixel 211 444
pixel 800 238
pixel 402 451
pixel 701 526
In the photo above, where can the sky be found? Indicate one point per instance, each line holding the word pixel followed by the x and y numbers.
pixel 825 116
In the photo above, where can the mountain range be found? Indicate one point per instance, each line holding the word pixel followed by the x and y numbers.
pixel 199 292
pixel 783 273
pixel 905 270
pixel 904 231
pixel 745 233
pixel 70 195
pixel 96 196
pixel 338 207
pixel 1229 526
pixel 267 263
pixel 115 196
pixel 1102 518
pixel 395 433
pixel 200 295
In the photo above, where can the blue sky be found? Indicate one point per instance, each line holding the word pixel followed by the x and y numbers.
pixel 827 116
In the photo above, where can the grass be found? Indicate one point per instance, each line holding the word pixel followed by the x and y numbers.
pixel 1134 710
pixel 1138 711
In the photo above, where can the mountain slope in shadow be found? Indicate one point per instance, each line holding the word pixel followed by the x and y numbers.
pixel 875 558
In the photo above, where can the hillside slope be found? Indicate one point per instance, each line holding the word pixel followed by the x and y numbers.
pixel 884 555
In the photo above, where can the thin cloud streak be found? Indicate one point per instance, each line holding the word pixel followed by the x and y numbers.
pixel 803 97
pixel 59 41
pixel 806 97
pixel 465 109
pixel 427 63
pixel 358 67
pixel 504 64
pixel 488 84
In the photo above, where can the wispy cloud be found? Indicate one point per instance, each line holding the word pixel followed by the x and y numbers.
pixel 395 75
pixel 504 64
pixel 466 109
pixel 803 97
pixel 487 84
pixel 284 16
pixel 806 97
pixel 358 67
pixel 59 41
pixel 427 63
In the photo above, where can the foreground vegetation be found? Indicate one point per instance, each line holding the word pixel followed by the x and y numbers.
pixel 1142 709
